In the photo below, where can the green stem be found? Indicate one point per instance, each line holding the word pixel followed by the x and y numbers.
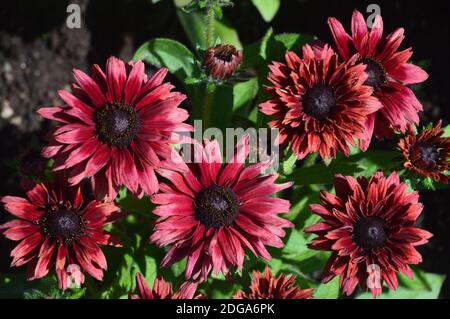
pixel 209 27
pixel 209 97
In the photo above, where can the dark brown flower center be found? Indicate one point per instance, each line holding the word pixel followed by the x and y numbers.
pixel 429 154
pixel 65 224
pixel 117 124
pixel 370 232
pixel 319 101
pixel 216 206
pixel 376 73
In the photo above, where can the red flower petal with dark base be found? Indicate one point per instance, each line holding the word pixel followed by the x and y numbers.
pixel 369 226
pixel 163 290
pixel 214 212
pixel 267 286
pixel 427 153
pixel 319 104
pixel 115 128
pixel 55 228
pixel 388 70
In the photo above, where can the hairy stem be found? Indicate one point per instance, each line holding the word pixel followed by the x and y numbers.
pixel 209 43
pixel 209 27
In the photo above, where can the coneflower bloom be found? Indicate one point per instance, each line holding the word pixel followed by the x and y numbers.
pixel 116 128
pixel 427 153
pixel 318 103
pixel 56 228
pixel 216 211
pixel 267 286
pixel 369 228
pixel 163 290
pixel 388 71
pixel 222 61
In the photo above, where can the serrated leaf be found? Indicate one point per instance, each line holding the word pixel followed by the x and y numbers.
pixel 173 55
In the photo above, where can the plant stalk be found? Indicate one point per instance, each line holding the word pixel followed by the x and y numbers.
pixel 209 97
pixel 209 27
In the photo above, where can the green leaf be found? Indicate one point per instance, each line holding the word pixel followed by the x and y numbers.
pixel 293 41
pixel 267 8
pixel 263 45
pixel 329 290
pixel 278 44
pixel 296 248
pixel 129 203
pixel 364 164
pixel 243 94
pixel 227 34
pixel 272 48
pixel 181 3
pixel 416 289
pixel 167 53
pixel 289 164
pixel 126 263
pixel 447 131
pixel 428 183
pixel 222 290
pixel 194 26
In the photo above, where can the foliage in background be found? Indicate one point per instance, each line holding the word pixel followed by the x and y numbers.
pixel 234 105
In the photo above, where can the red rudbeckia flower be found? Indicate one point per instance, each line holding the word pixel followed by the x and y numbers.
pixel 56 228
pixel 388 70
pixel 267 286
pixel 427 153
pixel 116 128
pixel 369 227
pixel 319 104
pixel 215 211
pixel 163 290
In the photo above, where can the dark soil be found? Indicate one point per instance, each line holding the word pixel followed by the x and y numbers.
pixel 38 52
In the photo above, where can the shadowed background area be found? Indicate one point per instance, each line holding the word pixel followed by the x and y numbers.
pixel 38 52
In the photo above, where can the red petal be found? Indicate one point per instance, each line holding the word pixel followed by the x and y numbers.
pixel 409 73
pixel 116 77
pixel 21 208
pixel 90 87
pixel 142 287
